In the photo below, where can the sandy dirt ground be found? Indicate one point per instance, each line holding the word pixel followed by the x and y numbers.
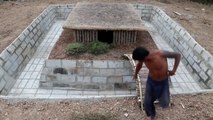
pixel 196 18
pixel 188 107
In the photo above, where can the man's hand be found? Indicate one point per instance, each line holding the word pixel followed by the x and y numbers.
pixel 171 73
pixel 177 57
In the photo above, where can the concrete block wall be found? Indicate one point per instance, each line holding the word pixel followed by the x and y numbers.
pixel 144 10
pixel 15 57
pixel 198 60
pixel 62 11
pixel 96 72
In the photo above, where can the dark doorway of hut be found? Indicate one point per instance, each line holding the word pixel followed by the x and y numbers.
pixel 105 36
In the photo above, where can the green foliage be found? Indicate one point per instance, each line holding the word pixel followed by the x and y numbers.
pixel 97 47
pixel 75 48
pixel 94 47
pixel 94 116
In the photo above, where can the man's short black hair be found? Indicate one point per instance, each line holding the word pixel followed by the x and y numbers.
pixel 140 53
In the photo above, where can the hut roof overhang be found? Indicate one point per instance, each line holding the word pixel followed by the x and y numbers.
pixel 104 16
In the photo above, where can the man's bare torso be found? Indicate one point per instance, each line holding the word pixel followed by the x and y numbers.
pixel 156 62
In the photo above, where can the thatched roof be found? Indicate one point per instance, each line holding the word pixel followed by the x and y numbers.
pixel 104 16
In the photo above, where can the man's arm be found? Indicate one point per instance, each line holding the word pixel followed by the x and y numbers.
pixel 174 55
pixel 137 69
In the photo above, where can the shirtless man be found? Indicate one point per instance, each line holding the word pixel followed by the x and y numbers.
pixel 157 86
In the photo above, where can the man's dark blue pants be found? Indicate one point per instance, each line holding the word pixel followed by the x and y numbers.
pixel 156 90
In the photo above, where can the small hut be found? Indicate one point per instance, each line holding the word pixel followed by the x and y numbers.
pixel 116 23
